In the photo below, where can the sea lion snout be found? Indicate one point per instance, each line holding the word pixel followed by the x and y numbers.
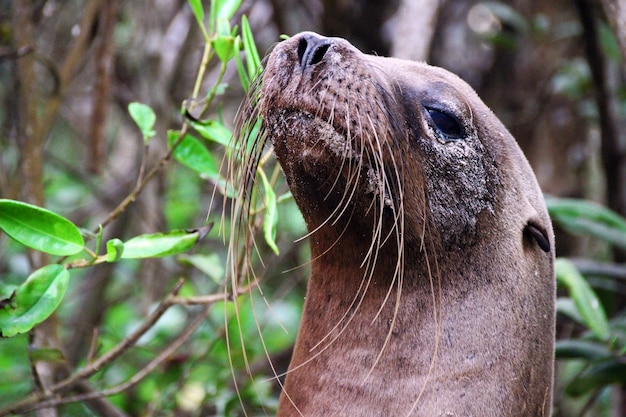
pixel 328 122
pixel 376 133
pixel 311 49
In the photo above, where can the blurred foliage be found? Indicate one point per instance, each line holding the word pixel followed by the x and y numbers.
pixel 591 359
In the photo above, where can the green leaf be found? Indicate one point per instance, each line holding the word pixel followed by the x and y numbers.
pixel 224 46
pixel 243 75
pixel 6 290
pixel 34 301
pixel 608 372
pixel 115 250
pixel 225 9
pixel 281 324
pixel 567 307
pixel 198 11
pixel 253 61
pixel 145 119
pixel 253 136
pixel 584 297
pixel 213 131
pixel 193 154
pixel 212 16
pixel 581 349
pixel 250 131
pixel 40 229
pixel 163 244
pixel 582 217
pixel 271 213
pixel 211 265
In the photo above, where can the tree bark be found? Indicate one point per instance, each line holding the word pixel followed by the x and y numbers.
pixel 414 28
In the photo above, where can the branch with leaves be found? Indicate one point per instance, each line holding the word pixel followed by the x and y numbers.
pixel 25 306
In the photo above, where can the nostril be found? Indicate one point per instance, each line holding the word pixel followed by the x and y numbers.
pixel 311 50
pixel 318 54
pixel 302 45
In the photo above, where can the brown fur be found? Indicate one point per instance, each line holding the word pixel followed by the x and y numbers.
pixel 430 294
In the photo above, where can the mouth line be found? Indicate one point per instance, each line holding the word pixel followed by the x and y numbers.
pixel 333 137
pixel 335 141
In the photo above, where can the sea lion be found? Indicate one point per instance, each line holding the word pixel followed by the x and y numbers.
pixel 432 283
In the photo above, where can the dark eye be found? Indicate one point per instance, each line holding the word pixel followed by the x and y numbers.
pixel 447 125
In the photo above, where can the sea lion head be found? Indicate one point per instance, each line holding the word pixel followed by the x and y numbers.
pixel 380 144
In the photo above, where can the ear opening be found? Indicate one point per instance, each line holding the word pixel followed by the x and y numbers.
pixel 538 233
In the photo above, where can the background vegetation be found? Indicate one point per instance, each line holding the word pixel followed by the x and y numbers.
pixel 115 298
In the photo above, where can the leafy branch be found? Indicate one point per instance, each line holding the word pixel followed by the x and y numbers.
pixel 24 306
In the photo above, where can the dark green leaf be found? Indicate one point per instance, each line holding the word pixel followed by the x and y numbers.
pixel 584 217
pixel 597 376
pixel 35 300
pixel 40 229
pixel 581 349
pixel 163 244
pixel 567 307
pixel 193 154
pixel 144 117
pixel 584 297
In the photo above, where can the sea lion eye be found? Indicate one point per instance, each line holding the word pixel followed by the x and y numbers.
pixel 447 125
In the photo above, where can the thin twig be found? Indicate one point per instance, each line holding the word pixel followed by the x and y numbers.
pixel 143 181
pixel 145 371
pixel 207 54
pixel 212 298
pixel 93 345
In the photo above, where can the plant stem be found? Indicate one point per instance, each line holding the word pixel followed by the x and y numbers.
pixel 206 57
